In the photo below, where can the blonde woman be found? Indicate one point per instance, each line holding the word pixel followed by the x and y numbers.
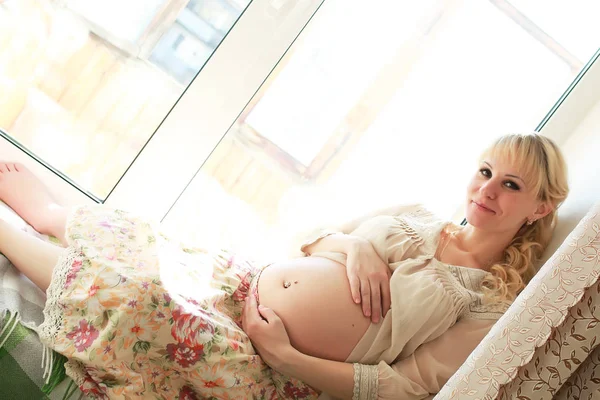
pixel 386 307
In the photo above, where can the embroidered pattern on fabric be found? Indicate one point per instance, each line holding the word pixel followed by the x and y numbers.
pixel 410 232
pixel 494 311
pixel 371 374
pixel 423 227
pixel 366 382
pixel 356 390
pixel 471 279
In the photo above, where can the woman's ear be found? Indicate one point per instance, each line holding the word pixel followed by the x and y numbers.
pixel 543 209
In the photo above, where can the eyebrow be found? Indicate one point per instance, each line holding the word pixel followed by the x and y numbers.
pixel 512 176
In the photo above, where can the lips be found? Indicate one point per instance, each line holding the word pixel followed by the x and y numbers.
pixel 483 207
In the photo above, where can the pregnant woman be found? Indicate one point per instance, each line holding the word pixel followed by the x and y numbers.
pixel 387 306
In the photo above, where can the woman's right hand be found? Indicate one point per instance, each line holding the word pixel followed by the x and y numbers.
pixel 369 278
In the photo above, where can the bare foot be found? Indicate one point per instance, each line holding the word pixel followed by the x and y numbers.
pixel 30 198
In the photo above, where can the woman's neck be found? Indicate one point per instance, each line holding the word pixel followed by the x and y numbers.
pixel 486 248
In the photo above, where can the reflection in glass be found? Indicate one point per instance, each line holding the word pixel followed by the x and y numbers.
pixel 391 106
pixel 84 84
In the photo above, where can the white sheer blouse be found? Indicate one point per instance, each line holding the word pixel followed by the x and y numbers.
pixel 437 316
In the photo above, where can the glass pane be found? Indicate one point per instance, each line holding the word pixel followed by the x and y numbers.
pixel 84 84
pixel 571 24
pixel 392 106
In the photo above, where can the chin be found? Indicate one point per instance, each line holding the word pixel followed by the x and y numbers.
pixel 482 225
pixel 478 220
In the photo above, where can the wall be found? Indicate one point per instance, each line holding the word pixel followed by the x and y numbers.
pixel 581 151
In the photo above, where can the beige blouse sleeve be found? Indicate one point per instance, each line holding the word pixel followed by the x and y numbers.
pixel 315 237
pixel 427 370
pixel 350 226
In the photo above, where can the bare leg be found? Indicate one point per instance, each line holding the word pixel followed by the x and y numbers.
pixel 32 256
pixel 32 200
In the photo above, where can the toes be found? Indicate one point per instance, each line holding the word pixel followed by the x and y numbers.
pixel 11 167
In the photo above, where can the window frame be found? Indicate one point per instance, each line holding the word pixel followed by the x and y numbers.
pixel 169 156
pixel 217 96
pixel 142 47
pixel 343 140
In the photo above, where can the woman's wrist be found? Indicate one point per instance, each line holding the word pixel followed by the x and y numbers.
pixel 338 242
pixel 289 361
pixel 333 377
pixel 354 243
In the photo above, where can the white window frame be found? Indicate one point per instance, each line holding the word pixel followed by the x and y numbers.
pixel 176 151
pixel 574 104
pixel 150 32
pixel 210 105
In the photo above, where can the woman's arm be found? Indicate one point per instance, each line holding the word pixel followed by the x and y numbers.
pixel 338 242
pixel 350 226
pixel 423 373
pixel 415 377
pixel 332 377
pixel 270 339
pixel 336 238
pixel 428 369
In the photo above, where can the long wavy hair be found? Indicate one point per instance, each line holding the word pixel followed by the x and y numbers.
pixel 544 169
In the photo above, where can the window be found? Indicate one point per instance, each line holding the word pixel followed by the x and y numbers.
pixel 387 107
pixel 126 25
pixel 191 39
pixel 391 106
pixel 84 84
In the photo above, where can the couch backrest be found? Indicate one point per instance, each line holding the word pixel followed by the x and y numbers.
pixel 582 153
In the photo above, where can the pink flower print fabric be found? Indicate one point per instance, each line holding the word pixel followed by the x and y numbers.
pixel 140 316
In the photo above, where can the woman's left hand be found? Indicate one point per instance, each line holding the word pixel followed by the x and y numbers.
pixel 267 333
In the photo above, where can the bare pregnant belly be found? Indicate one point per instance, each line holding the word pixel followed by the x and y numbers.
pixel 317 308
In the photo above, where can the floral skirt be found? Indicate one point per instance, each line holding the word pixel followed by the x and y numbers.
pixel 140 316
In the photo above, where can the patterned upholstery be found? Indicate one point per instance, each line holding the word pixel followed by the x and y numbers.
pixel 569 352
pixel 549 331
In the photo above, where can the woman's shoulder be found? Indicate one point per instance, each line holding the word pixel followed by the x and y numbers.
pixel 414 231
pixel 413 227
pixel 416 221
pixel 421 216
pixel 421 224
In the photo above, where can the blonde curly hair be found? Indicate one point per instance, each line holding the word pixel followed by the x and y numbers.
pixel 543 167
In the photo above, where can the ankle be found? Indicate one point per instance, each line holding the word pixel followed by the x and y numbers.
pixel 57 221
pixel 49 220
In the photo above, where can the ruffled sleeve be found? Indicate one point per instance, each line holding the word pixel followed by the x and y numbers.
pixel 315 237
pixel 424 372
pixel 351 226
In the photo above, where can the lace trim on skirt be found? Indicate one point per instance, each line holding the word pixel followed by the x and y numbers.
pixel 53 321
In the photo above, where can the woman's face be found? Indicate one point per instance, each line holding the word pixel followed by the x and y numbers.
pixel 498 199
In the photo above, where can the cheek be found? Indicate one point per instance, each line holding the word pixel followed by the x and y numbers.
pixel 472 186
pixel 510 207
pixel 515 206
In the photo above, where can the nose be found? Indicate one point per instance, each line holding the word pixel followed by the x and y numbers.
pixel 488 189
